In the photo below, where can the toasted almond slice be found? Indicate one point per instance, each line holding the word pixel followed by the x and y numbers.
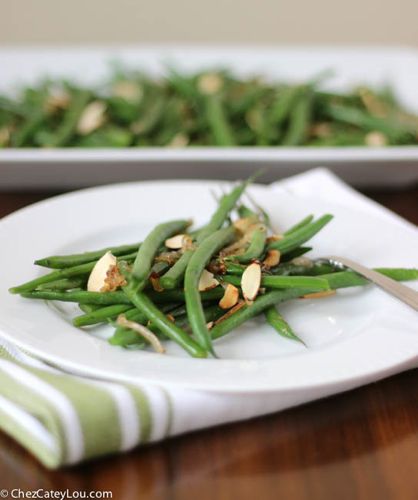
pixel 231 311
pixel 98 275
pixel 175 242
pixel 319 295
pixel 302 261
pixel 155 282
pixel 210 83
pixel 230 298
pixel 179 141
pixel 272 258
pixel 207 281
pixel 250 281
pixel 243 224
pixel 274 237
pixel 92 117
pixel 128 90
pixel 171 318
pixel 209 325
pixel 375 139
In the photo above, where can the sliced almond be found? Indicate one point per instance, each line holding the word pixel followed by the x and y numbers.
pixel 99 273
pixel 274 237
pixel 92 117
pixel 272 258
pixel 207 281
pixel 230 297
pixel 175 242
pixel 250 281
pixel 209 325
pixel 243 224
pixel 375 139
pixel 302 261
pixel 210 83
pixel 171 318
pixel 57 100
pixel 130 91
pixel 231 311
pixel 179 141
pixel 319 295
pixel 155 282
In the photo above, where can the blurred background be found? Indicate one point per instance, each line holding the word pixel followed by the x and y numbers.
pixel 249 21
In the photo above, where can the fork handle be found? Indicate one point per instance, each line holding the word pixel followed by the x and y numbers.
pixel 398 290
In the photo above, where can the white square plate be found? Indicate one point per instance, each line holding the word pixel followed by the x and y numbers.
pixel 63 168
pixel 359 334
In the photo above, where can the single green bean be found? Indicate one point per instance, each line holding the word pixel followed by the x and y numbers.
pixel 63 261
pixel 256 246
pixel 346 279
pixel 197 264
pixel 274 282
pixel 82 297
pixel 217 120
pixel 297 252
pixel 304 222
pixel 101 315
pixel 300 117
pixel 282 327
pixel 300 236
pixel 63 284
pixel 149 248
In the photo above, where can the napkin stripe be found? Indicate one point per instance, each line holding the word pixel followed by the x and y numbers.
pixel 11 424
pixel 26 421
pixel 127 415
pixel 38 407
pixel 68 415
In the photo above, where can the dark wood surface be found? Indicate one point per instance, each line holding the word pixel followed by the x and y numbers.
pixel 358 445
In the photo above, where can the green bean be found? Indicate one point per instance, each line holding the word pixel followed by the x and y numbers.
pixel 297 252
pixel 256 246
pixel 282 106
pixel 101 315
pixel 245 212
pixel 63 284
pixel 197 263
pixel 282 327
pixel 353 116
pixel 261 303
pixel 346 279
pixel 218 123
pixel 171 330
pixel 63 261
pixel 82 297
pixel 70 272
pixel 148 249
pixel 300 236
pixel 172 278
pixel 68 126
pixel 299 122
pixel 88 308
pixel 304 222
pixel 313 283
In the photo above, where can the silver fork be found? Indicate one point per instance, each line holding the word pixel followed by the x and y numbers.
pixel 398 290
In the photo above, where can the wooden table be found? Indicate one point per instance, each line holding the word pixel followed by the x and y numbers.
pixel 358 445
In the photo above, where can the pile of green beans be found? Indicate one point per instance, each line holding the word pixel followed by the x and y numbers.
pixel 208 108
pixel 167 297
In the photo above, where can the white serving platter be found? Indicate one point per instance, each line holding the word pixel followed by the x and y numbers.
pixel 68 168
pixel 358 335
